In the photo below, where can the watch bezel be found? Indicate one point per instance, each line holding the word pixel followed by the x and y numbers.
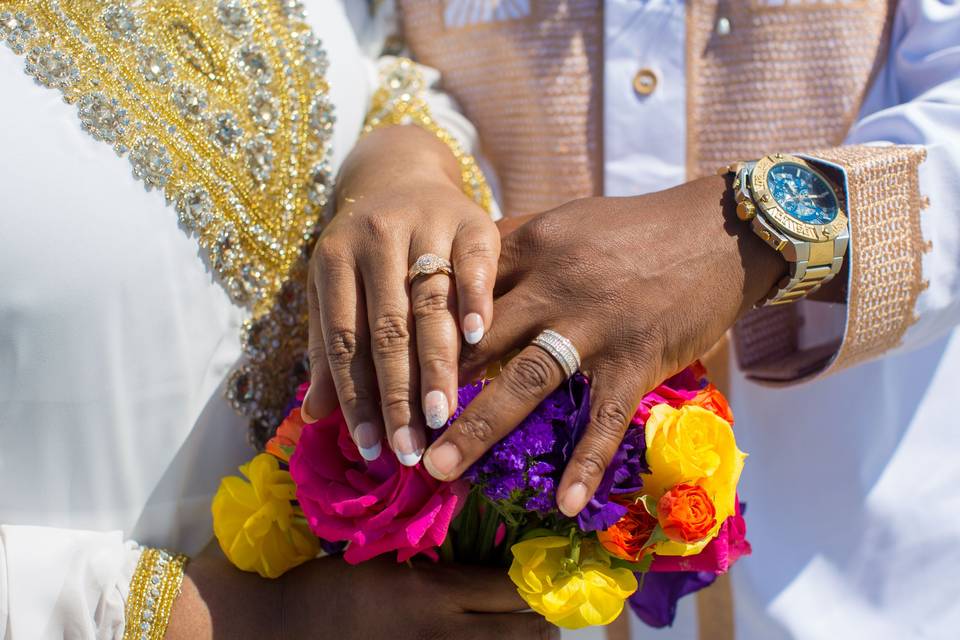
pixel 768 207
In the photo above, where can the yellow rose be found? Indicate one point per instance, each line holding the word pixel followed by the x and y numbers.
pixel 255 523
pixel 570 593
pixel 691 445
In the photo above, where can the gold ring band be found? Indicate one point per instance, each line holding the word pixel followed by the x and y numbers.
pixel 429 264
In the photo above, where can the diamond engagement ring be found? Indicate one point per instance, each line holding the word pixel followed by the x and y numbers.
pixel 560 349
pixel 429 264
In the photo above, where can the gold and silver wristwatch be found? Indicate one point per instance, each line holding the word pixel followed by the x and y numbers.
pixel 795 209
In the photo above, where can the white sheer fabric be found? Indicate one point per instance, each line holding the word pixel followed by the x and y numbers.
pixel 114 345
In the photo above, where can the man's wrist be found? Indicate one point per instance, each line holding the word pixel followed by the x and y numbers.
pixel 759 265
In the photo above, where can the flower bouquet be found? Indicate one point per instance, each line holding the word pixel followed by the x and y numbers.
pixel 664 522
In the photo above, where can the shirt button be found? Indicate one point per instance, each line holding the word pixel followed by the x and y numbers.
pixel 645 82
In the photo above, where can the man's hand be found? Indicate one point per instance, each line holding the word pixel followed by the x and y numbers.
pixel 642 286
pixel 329 599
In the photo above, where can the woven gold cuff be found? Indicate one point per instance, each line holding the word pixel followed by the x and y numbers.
pixel 155 585
pixel 400 100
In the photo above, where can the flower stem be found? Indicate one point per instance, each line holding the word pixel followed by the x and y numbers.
pixel 488 531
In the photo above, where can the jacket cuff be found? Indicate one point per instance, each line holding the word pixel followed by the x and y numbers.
pixel 885 275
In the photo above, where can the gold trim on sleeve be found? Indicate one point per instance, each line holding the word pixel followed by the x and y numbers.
pixel 400 100
pixel 155 585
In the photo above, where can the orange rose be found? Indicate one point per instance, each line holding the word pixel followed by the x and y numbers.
pixel 713 401
pixel 284 442
pixel 686 513
pixel 627 538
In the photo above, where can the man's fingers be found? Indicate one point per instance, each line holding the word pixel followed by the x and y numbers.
pixel 347 345
pixel 321 398
pixel 384 274
pixel 432 300
pixel 480 589
pixel 611 408
pixel 474 254
pixel 508 399
pixel 514 327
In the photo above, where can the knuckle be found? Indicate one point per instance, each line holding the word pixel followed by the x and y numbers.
pixel 610 419
pixel 377 227
pixel 476 250
pixel 436 365
pixel 475 428
pixel 328 253
pixel 429 301
pixel 342 347
pixel 531 374
pixel 390 333
pixel 592 463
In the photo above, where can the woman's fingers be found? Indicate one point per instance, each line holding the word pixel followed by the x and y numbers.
pixel 611 408
pixel 321 398
pixel 432 300
pixel 524 382
pixel 384 273
pixel 474 254
pixel 347 345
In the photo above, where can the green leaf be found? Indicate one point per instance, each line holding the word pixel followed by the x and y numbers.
pixel 538 533
pixel 657 536
pixel 641 566
pixel 649 504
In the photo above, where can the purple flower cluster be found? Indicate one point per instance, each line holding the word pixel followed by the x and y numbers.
pixel 525 467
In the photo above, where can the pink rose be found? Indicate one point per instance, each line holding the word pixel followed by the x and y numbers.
pixel 717 557
pixel 376 507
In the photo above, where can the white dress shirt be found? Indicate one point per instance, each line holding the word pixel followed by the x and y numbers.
pixel 852 481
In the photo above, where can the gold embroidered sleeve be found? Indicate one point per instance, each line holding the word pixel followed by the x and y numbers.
pixel 885 272
pixel 401 100
pixel 155 585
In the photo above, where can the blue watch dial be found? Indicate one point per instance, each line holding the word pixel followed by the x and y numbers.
pixel 802 193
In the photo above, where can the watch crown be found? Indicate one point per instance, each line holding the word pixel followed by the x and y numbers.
pixel 746 211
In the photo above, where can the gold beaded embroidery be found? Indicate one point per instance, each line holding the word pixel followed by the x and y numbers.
pixel 400 100
pixel 223 106
pixel 155 585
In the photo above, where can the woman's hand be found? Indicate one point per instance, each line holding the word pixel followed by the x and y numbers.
pixel 641 286
pixel 389 351
pixel 328 598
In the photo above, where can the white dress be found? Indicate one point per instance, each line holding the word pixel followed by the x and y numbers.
pixel 114 347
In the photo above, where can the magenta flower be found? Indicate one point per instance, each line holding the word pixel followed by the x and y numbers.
pixel 375 507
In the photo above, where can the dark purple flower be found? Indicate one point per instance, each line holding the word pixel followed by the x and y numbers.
pixel 621 477
pixel 656 601
pixel 525 466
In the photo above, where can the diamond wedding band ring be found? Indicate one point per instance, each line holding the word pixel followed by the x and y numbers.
pixel 560 349
pixel 427 265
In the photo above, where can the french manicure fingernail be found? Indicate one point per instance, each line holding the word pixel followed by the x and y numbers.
pixel 303 408
pixel 574 500
pixel 436 409
pixel 365 435
pixel 407 446
pixel 443 460
pixel 472 328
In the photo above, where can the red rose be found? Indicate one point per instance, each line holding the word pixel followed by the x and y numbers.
pixel 686 513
